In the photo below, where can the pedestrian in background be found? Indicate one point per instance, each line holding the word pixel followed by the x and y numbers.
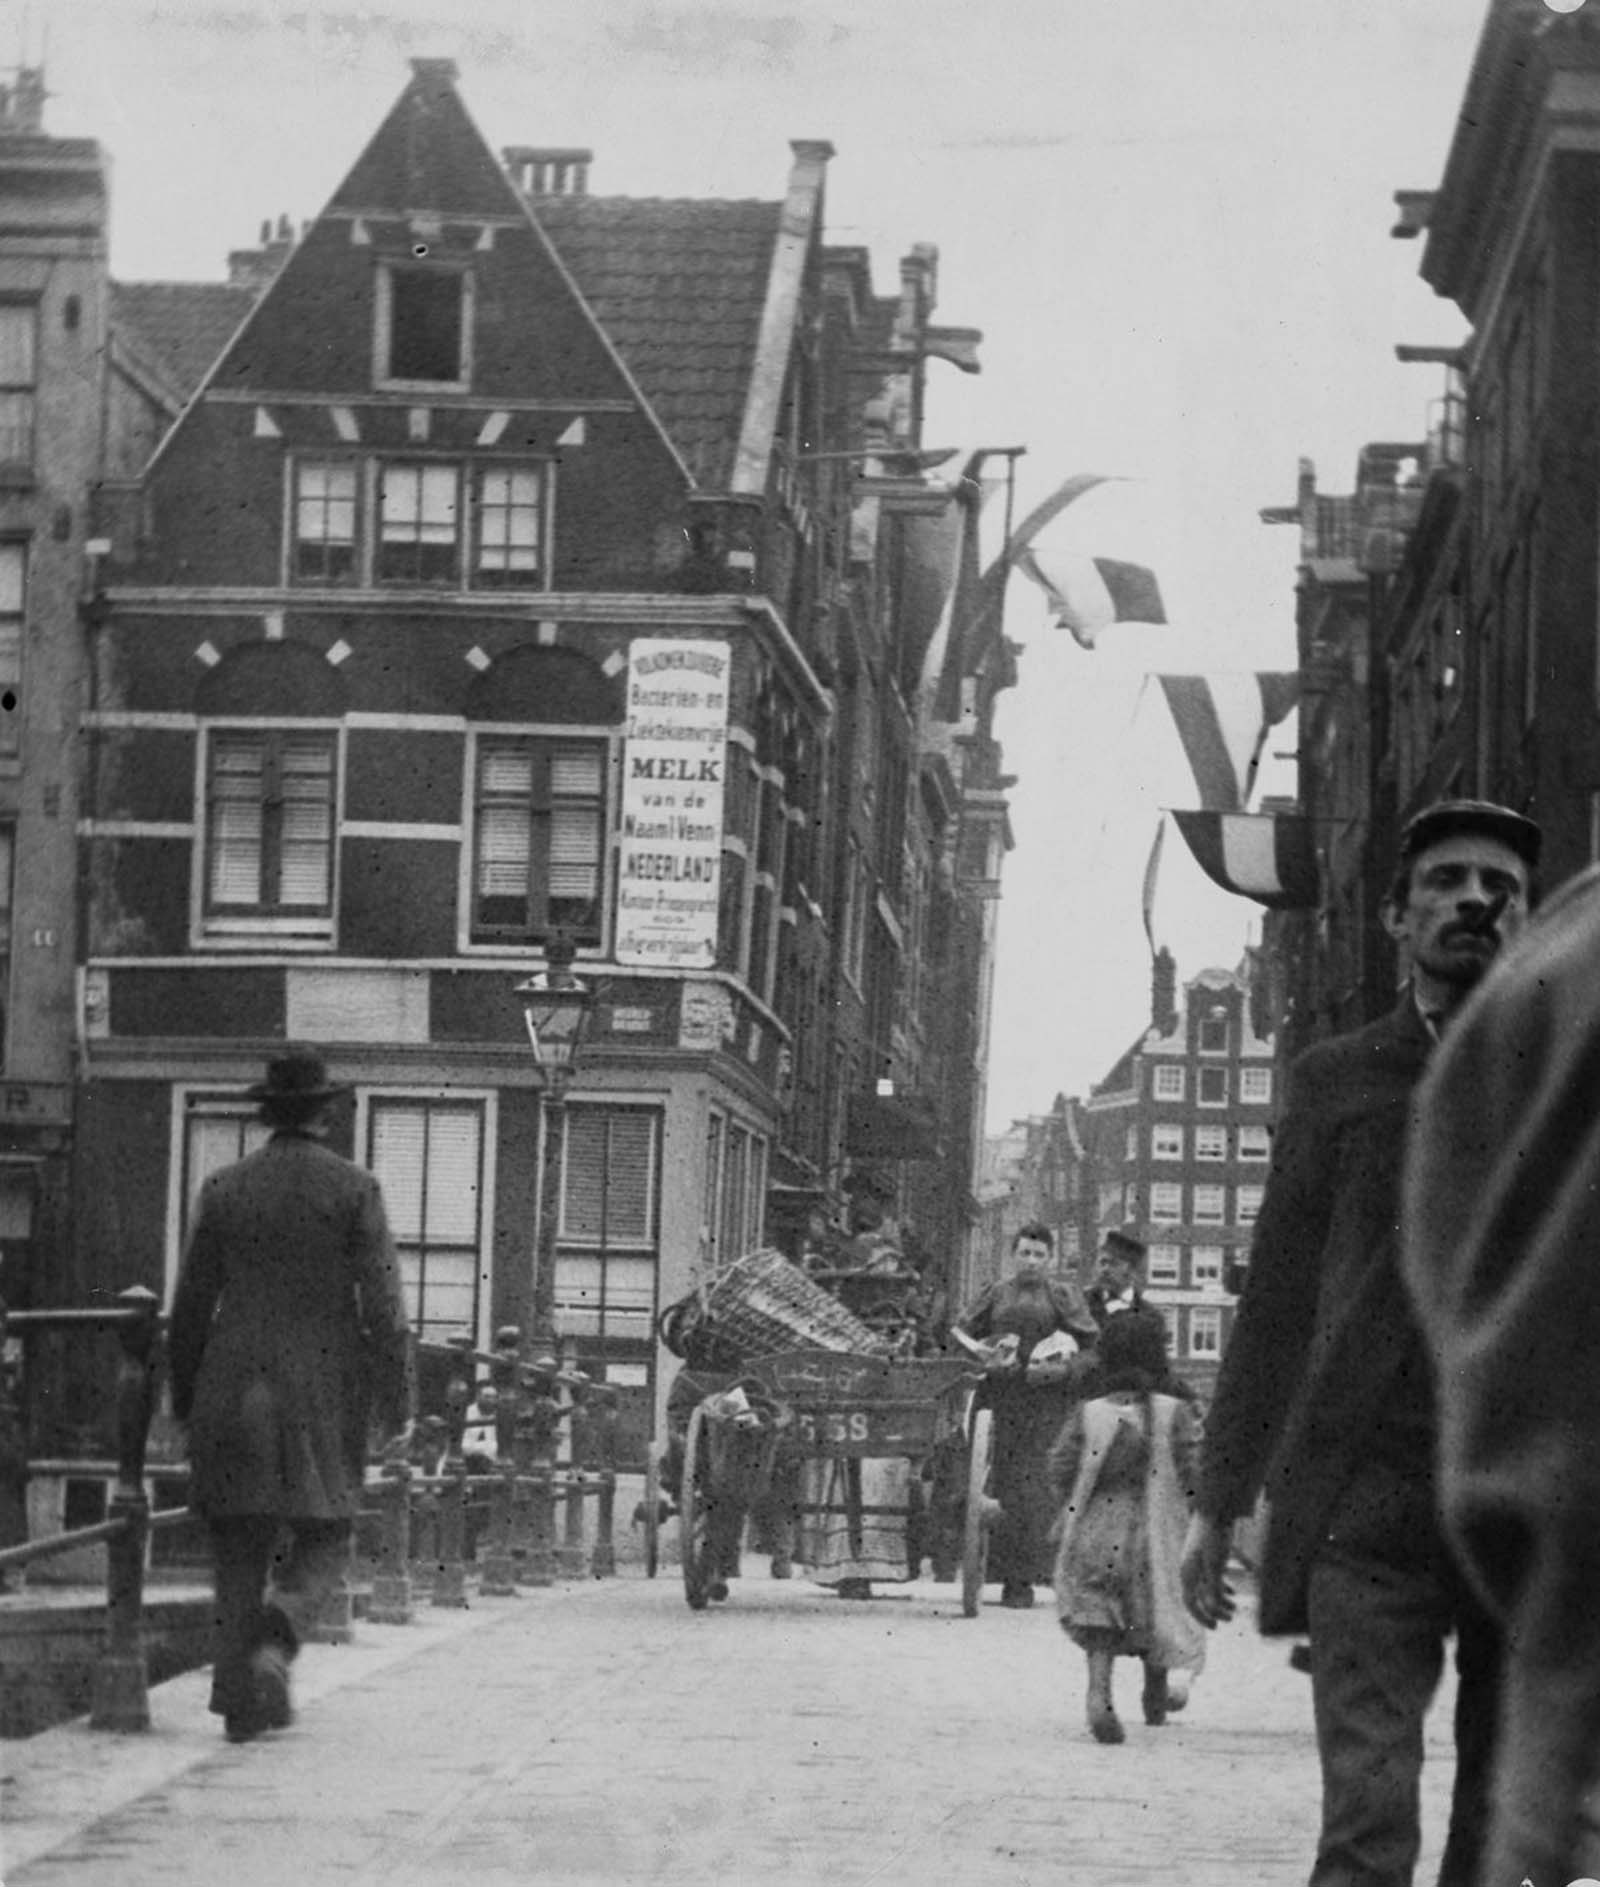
pixel 1502 1252
pixel 1022 1313
pixel 1124 1470
pixel 288 1324
pixel 1325 1394
pixel 1118 1275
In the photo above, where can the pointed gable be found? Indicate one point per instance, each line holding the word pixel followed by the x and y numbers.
pixel 428 155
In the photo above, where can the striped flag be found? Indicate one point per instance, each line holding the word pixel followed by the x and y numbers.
pixel 1090 594
pixel 1271 857
pixel 1223 721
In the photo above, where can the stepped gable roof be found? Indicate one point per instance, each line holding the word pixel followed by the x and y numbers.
pixel 180 327
pixel 678 284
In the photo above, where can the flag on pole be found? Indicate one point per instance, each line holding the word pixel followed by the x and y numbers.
pixel 1223 721
pixel 1270 857
pixel 1089 594
pixel 1152 871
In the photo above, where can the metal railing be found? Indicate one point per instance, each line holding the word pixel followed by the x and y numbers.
pixel 120 1698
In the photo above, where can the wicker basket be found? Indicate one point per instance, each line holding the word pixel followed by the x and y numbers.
pixel 762 1303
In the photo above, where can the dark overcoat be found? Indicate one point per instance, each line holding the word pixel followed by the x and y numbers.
pixel 1325 1333
pixel 288 1328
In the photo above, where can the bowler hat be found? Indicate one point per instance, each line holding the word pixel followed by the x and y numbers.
pixel 1454 818
pixel 1123 1242
pixel 298 1074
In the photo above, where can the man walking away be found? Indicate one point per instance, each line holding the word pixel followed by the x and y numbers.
pixel 1325 1395
pixel 287 1325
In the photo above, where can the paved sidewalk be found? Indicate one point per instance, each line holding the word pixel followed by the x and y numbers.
pixel 603 1734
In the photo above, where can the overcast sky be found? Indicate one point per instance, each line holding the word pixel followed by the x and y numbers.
pixel 1169 219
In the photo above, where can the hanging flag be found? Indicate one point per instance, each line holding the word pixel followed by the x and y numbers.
pixel 1223 721
pixel 1152 872
pixel 1270 857
pixel 1090 594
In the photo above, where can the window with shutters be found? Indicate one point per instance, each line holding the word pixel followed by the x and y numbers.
pixel 428 1155
pixel 606 1260
pixel 268 832
pixel 538 839
pixel 19 332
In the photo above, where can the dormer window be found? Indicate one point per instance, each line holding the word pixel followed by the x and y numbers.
pixel 424 327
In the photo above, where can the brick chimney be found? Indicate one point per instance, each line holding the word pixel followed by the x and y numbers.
pixel 256 268
pixel 22 104
pixel 548 171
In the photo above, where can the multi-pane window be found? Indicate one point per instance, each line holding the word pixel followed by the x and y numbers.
pixel 19 322
pixel 428 1156
pixel 269 828
pixel 1248 1204
pixel 418 524
pixel 736 1189
pixel 605 1282
pixel 538 839
pixel 1211 1143
pixel 13 570
pixel 509 534
pixel 1255 1084
pixel 1205 1331
pixel 325 495
pixel 1162 1263
pixel 1205 1267
pixel 1166 1203
pixel 1167 1081
pixel 423 325
pixel 1254 1143
pixel 1210 1204
pixel 1211 1087
pixel 1166 1142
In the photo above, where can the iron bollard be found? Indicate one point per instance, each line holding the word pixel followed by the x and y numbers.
pixel 602 1443
pixel 497 1575
pixel 391 1585
pixel 450 1581
pixel 603 1561
pixel 121 1692
pixel 542 1529
pixel 427 1455
pixel 539 1415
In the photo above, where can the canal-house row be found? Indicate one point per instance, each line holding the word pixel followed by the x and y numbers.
pixel 485 457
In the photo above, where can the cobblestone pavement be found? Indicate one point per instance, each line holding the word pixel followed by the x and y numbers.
pixel 604 1734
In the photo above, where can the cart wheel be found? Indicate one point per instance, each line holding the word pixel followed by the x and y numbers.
pixel 652 1516
pixel 693 1532
pixel 975 1532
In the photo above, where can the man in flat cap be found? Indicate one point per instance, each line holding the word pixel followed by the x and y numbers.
pixel 1325 1396
pixel 1118 1272
pixel 288 1325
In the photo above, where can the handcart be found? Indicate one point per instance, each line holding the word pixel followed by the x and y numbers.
pixel 806 1405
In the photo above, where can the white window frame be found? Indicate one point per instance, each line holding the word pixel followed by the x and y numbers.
pixel 568 1246
pixel 1163 1264
pixel 467 860
pixel 250 931
pixel 1257 1078
pixel 1167 1081
pixel 361 501
pixel 1211 1141
pixel 1214 1068
pixel 1205 1331
pixel 187 1098
pixel 1206 1265
pixel 1130 1144
pixel 1210 1205
pixel 1247 1204
pixel 544 471
pixel 489 1099
pixel 1166 1203
pixel 1255 1144
pixel 383 322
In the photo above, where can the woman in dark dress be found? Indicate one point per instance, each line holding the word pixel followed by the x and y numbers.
pixel 1029 1403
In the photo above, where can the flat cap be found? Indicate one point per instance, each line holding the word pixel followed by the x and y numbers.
pixel 1453 818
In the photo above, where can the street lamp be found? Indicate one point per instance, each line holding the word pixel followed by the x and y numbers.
pixel 556 1006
